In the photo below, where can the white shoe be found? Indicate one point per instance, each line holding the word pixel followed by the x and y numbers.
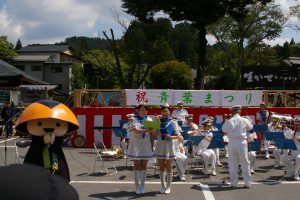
pixel 214 172
pixel 142 179
pixel 162 180
pixel 182 177
pixel 219 164
pixel 267 155
pixel 226 155
pixel 252 171
pixel 137 181
pixel 169 182
pixel 296 177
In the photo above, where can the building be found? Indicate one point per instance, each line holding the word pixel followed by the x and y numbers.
pixel 48 62
pixel 16 85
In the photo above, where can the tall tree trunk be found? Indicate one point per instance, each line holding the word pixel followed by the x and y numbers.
pixel 115 52
pixel 199 81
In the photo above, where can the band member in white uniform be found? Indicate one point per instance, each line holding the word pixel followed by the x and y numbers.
pixel 262 117
pixel 164 148
pixel 207 154
pixel 236 129
pixel 180 158
pixel 286 155
pixel 296 153
pixel 252 154
pixel 139 150
pixel 288 134
pixel 180 113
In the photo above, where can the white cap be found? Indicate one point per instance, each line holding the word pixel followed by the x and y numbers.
pixel 180 103
pixel 208 119
pixel 165 105
pixel 236 107
pixel 130 116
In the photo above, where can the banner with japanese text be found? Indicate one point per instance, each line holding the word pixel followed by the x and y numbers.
pixel 243 98
pixel 205 98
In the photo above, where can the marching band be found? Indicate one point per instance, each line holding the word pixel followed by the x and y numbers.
pixel 178 138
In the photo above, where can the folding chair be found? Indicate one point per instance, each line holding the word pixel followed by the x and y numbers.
pixel 20 144
pixel 101 158
pixel 119 132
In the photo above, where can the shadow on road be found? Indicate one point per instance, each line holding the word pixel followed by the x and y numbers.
pixel 122 194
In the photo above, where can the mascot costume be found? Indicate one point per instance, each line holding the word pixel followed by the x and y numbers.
pixel 47 122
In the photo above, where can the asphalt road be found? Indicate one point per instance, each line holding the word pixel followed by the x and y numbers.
pixel 91 185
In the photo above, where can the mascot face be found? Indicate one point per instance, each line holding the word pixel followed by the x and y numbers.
pixel 47 128
pixel 47 119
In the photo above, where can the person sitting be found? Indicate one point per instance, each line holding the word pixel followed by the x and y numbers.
pixel 202 149
pixel 179 113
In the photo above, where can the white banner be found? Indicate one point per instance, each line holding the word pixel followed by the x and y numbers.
pixel 244 98
pixel 205 98
pixel 197 97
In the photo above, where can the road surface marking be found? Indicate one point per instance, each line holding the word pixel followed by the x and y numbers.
pixel 208 195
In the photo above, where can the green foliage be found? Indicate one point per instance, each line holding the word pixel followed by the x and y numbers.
pixel 103 60
pixel 83 44
pixel 171 75
pixel 18 45
pixel 261 22
pixel 7 50
pixel 61 99
pixel 78 80
pixel 199 13
pixel 183 41
pixel 295 50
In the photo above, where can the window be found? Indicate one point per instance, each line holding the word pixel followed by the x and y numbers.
pixel 36 67
pixel 21 67
pixel 56 69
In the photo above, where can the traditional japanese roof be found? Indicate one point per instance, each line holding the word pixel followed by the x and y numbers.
pixel 44 48
pixel 292 61
pixel 7 70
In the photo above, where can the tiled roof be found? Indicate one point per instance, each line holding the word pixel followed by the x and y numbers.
pixel 44 48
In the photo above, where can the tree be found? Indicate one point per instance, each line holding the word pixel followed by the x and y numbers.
pixel 262 22
pixel 199 13
pixel 107 76
pixel 7 50
pixel 78 80
pixel 292 42
pixel 171 75
pixel 182 40
pixel 18 45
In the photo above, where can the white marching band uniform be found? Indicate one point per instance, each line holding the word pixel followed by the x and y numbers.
pixel 291 158
pixel 236 129
pixel 180 115
pixel 140 146
pixel 180 157
pixel 252 154
pixel 207 154
pixel 296 155
pixel 139 149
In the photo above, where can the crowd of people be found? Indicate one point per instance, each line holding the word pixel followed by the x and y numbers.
pixel 168 146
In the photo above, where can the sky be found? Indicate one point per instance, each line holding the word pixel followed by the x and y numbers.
pixel 50 21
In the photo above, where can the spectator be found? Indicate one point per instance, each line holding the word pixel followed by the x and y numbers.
pixel 7 113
